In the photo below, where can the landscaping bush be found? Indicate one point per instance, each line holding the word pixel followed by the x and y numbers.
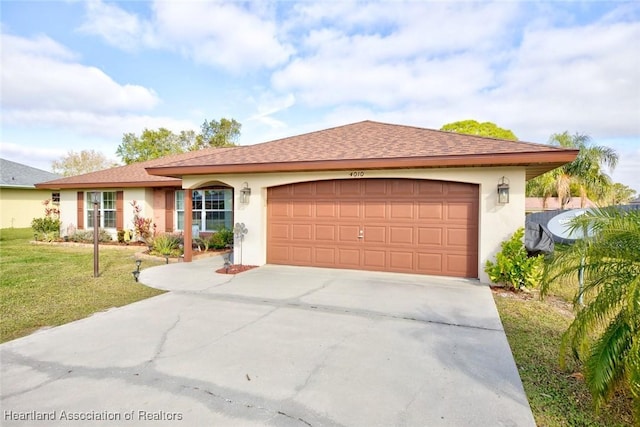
pixel 221 239
pixel 87 236
pixel 513 267
pixel 166 245
pixel 46 229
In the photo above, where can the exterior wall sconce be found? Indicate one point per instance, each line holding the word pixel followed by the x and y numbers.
pixel 245 193
pixel 503 191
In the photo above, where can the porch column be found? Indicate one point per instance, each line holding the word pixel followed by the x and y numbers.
pixel 188 222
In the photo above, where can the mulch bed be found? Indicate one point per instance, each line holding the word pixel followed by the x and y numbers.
pixel 235 269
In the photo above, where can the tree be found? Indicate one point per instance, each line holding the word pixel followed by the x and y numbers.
pixel 152 144
pixel 473 127
pixel 621 194
pixel 223 133
pixel 605 333
pixel 82 162
pixel 584 177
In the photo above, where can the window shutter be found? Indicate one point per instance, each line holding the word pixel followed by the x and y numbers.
pixel 169 207
pixel 80 210
pixel 119 210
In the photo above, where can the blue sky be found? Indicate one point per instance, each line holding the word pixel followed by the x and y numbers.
pixel 79 74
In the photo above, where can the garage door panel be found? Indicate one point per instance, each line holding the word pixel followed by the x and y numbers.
pixel 302 210
pixel 431 188
pixel 325 256
pixel 413 226
pixel 399 260
pixel 349 187
pixel 430 263
pixel 326 209
pixel 460 237
pixel 401 210
pixel 302 232
pixel 430 211
pixel 459 263
pixel 375 187
pixel 304 189
pixel 348 233
pixel 279 254
pixel 279 210
pixel 350 258
pixel 430 236
pixel 374 259
pixel 459 211
pixel 280 231
pixel 374 234
pixel 401 235
pixel 375 210
pixel 325 232
pixel 302 255
pixel 326 188
pixel 349 209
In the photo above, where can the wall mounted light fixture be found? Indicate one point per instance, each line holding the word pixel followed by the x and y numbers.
pixel 503 191
pixel 245 193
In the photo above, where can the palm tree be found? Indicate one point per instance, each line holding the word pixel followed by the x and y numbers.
pixel 584 175
pixel 605 334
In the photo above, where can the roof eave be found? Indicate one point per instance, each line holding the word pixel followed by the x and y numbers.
pixel 130 184
pixel 543 161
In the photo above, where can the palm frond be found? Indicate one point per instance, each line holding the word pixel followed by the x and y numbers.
pixel 603 367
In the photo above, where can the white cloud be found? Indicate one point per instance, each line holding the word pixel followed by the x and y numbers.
pixel 268 105
pixel 42 74
pixel 116 26
pixel 225 35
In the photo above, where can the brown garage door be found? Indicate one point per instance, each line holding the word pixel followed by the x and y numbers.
pixel 399 225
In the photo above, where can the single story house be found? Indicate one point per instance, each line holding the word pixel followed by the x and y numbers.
pixel 20 201
pixel 367 195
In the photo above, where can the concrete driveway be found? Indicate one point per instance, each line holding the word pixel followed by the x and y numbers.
pixel 276 345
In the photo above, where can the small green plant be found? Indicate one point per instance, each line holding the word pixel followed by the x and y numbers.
pixel 166 245
pixel 48 228
pixel 513 267
pixel 221 239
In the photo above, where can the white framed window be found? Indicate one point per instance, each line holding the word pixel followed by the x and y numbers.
pixel 211 209
pixel 106 209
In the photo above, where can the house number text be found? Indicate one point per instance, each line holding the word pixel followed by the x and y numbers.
pixel 356 174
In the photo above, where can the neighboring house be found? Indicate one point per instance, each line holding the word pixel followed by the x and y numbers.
pixel 368 196
pixel 20 201
pixel 538 204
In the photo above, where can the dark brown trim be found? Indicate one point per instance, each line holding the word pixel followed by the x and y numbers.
pixel 80 207
pixel 552 159
pixel 169 207
pixel 119 210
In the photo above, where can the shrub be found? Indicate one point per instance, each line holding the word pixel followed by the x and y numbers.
pixel 513 267
pixel 221 239
pixel 87 236
pixel 166 245
pixel 47 228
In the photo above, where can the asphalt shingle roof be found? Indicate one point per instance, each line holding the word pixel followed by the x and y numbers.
pixel 14 174
pixel 359 143
pixel 133 175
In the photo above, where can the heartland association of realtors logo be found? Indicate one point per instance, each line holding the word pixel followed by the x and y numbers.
pixel 132 415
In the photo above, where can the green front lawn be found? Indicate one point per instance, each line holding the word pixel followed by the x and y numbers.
pixel 49 285
pixel 557 397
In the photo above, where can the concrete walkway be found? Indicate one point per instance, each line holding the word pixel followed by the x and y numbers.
pixel 276 345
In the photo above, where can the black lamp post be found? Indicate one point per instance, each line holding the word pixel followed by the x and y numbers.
pixel 136 272
pixel 95 199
